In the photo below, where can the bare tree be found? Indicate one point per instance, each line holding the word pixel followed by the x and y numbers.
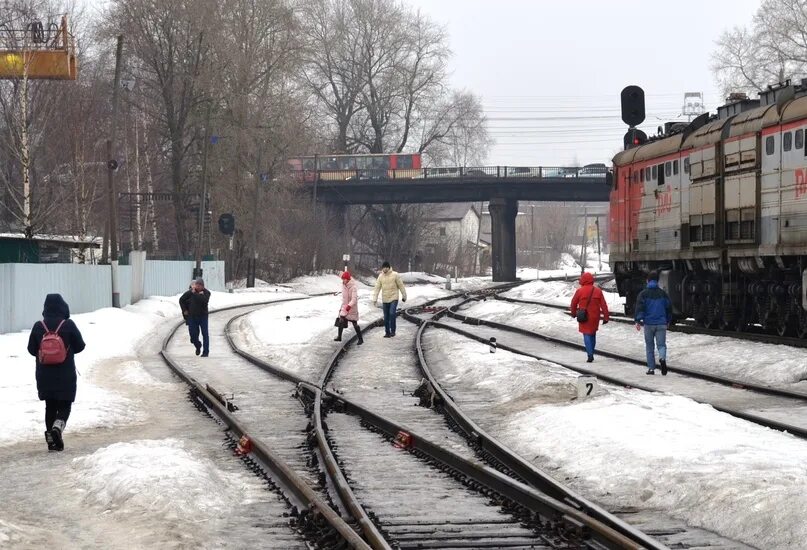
pixel 169 44
pixel 454 133
pixel 771 49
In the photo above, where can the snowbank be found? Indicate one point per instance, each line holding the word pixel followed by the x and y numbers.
pixel 630 448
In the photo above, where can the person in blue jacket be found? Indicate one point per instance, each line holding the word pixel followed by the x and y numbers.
pixel 654 311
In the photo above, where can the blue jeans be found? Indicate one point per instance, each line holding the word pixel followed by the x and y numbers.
pixel 390 310
pixel 590 340
pixel 194 325
pixel 655 334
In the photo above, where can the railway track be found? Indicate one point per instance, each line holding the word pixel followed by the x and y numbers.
pixel 377 485
pixel 270 441
pixel 684 327
pixel 773 407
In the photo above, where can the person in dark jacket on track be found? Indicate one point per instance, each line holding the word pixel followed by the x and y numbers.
pixel 56 382
pixel 654 311
pixel 591 299
pixel 194 309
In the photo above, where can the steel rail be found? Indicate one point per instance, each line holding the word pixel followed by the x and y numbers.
pixel 686 328
pixel 295 488
pixel 511 460
pixel 723 380
pixel 554 510
pixel 762 421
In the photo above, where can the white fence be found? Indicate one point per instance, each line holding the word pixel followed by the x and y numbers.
pixel 23 287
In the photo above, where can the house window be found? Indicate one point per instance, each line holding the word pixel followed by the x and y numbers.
pixel 442 231
pixel 770 147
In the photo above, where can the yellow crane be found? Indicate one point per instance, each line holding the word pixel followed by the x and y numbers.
pixel 35 54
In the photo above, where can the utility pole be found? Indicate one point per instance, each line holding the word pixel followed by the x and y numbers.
pixel 585 240
pixel 477 263
pixel 253 245
pixel 112 165
pixel 197 271
pixel 599 249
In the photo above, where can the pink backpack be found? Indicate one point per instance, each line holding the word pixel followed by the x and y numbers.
pixel 52 350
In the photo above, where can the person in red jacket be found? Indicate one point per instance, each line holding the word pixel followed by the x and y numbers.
pixel 590 299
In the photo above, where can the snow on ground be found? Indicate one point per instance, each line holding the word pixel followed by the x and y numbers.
pixel 298 336
pixel 568 265
pixel 109 334
pixel 629 448
pixel 129 477
pixel 141 468
pixel 560 292
pixel 738 359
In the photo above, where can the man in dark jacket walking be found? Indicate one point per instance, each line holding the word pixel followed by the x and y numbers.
pixel 654 311
pixel 194 309
pixel 56 383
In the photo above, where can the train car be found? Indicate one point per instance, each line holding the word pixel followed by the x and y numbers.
pixel 355 167
pixel 720 210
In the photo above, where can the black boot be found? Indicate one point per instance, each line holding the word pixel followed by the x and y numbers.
pixel 590 359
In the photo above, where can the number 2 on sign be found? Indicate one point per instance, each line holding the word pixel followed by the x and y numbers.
pixel 589 387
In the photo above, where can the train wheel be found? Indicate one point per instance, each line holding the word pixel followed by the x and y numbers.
pixel 802 330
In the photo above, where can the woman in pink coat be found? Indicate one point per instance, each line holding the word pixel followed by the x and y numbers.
pixel 350 307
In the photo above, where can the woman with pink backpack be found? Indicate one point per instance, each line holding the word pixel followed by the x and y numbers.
pixel 53 341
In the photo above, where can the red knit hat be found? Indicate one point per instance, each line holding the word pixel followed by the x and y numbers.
pixel 346 275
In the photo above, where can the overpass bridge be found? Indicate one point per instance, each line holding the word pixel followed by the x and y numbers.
pixel 501 186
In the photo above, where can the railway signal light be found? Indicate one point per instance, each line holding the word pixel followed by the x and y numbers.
pixel 632 105
pixel 227 224
pixel 634 137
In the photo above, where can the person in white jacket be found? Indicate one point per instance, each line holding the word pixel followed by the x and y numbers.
pixel 389 283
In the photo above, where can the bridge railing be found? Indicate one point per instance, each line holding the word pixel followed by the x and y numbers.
pixel 463 173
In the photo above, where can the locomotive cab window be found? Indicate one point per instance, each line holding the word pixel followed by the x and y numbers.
pixel 787 141
pixel 769 145
pixel 647 174
pixel 799 139
pixel 686 165
pixel 661 173
pixel 668 169
pixel 641 175
pixel 655 172
pixel 675 167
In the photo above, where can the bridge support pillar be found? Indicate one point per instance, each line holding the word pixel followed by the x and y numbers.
pixel 503 232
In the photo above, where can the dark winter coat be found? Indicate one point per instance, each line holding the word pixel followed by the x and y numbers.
pixel 195 303
pixel 653 306
pixel 56 381
pixel 592 300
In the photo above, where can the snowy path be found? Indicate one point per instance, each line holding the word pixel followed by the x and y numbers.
pixel 771 364
pixel 161 480
pixel 791 411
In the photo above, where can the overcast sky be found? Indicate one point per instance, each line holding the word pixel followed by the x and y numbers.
pixel 533 59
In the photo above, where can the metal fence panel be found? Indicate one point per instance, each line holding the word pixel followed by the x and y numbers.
pixel 84 288
pixel 23 287
pixel 166 278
